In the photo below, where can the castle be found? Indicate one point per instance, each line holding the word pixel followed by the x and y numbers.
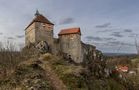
pixel 68 41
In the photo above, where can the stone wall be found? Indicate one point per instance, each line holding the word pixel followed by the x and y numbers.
pixel 41 30
pixel 56 47
pixel 44 32
pixel 71 45
pixel 30 34
pixel 38 32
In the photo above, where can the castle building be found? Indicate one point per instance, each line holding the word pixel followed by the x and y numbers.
pixel 68 42
pixel 40 29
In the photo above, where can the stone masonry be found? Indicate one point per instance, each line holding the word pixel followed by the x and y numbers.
pixel 69 40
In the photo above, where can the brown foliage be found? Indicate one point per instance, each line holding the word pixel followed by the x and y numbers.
pixel 9 59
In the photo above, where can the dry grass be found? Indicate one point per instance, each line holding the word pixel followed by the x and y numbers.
pixel 9 59
pixel 68 73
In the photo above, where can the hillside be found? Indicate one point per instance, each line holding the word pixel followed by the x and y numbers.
pixel 49 72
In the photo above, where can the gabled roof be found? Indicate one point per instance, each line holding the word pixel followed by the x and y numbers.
pixel 122 68
pixel 40 18
pixel 70 31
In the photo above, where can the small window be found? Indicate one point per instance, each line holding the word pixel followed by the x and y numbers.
pixel 72 37
pixel 43 25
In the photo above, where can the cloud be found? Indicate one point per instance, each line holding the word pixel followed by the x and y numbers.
pixel 109 39
pixel 10 38
pixel 114 42
pixel 90 38
pixel 1 33
pixel 100 44
pixel 105 25
pixel 67 21
pixel 106 30
pixel 19 36
pixel 117 44
pixel 117 34
pixel 109 30
pixel 128 30
pixel 133 35
pixel 120 43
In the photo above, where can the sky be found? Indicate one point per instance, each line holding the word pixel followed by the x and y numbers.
pixel 110 25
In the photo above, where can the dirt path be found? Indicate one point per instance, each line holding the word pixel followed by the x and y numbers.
pixel 52 77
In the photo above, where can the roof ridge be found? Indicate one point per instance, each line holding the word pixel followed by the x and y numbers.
pixel 67 31
pixel 40 18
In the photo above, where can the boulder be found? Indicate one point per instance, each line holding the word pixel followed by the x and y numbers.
pixel 42 47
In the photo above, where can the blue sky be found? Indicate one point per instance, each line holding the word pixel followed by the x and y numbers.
pixel 110 25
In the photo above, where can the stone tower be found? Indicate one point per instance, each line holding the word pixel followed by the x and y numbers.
pixel 40 29
pixel 70 43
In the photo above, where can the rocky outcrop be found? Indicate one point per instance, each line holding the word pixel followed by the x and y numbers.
pixel 42 47
pixel 30 76
pixel 36 74
pixel 90 53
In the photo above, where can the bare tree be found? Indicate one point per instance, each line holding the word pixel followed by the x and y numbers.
pixel 137 46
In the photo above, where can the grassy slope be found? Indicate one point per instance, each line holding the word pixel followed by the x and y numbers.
pixel 53 72
pixel 68 73
pixel 71 76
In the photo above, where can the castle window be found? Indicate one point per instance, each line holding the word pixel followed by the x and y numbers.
pixel 72 37
pixel 43 25
pixel 49 26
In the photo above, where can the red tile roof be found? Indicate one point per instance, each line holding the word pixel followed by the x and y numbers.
pixel 40 18
pixel 122 68
pixel 70 31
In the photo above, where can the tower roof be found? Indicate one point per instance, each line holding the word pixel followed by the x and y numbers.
pixel 40 18
pixel 70 31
